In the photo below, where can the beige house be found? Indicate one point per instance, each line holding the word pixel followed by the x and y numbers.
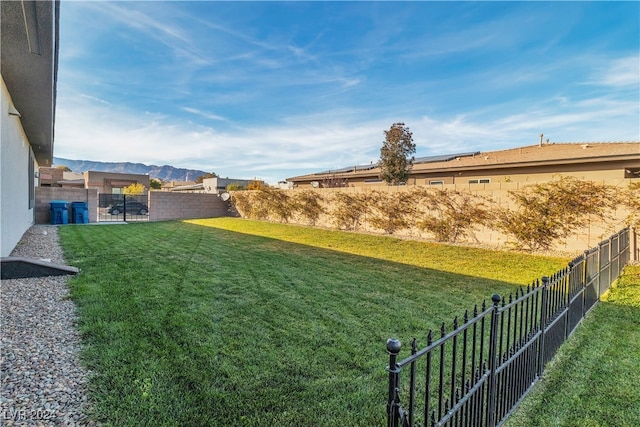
pixel 113 183
pixel 57 177
pixel 176 185
pixel 29 64
pixel 614 163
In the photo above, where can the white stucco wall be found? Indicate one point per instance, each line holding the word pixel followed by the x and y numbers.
pixel 15 215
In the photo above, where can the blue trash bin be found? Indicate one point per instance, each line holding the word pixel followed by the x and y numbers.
pixel 59 211
pixel 80 212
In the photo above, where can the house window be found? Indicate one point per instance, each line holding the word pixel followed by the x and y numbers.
pixel 632 173
pixel 436 182
pixel 480 181
pixel 372 181
pixel 31 181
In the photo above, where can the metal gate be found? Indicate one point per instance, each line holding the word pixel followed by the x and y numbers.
pixel 122 208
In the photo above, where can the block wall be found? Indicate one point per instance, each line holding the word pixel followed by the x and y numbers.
pixel 167 205
pixel 44 195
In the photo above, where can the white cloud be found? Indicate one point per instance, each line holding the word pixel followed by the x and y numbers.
pixel 622 72
pixel 202 113
pixel 109 133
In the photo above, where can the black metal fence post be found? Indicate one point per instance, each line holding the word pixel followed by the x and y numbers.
pixel 393 348
pixel 493 340
pixel 543 323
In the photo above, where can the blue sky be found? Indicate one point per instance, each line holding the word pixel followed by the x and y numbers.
pixel 271 90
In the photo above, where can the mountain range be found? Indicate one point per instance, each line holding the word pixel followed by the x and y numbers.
pixel 163 173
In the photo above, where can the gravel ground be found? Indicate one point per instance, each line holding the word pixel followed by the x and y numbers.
pixel 43 383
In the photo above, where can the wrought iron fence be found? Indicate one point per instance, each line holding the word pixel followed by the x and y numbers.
pixel 120 207
pixel 477 373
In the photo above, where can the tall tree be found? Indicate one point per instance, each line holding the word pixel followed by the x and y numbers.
pixel 396 154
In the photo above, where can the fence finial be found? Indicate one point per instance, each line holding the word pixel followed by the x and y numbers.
pixel 496 299
pixel 393 346
pixel 545 280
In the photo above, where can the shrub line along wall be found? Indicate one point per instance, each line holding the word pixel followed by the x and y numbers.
pixel 163 206
pixel 496 193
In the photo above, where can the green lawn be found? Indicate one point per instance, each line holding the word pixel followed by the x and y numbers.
pixel 233 322
pixel 594 381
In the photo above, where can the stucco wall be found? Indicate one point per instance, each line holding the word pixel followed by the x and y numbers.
pixel 44 195
pixel 15 215
pixel 167 205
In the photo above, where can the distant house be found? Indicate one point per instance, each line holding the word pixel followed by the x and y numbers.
pixel 615 163
pixel 29 65
pixel 112 182
pixel 177 185
pixel 188 188
pixel 56 177
pixel 51 177
pixel 218 185
pixel 208 185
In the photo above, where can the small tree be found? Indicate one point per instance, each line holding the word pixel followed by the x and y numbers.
pixel 631 199
pixel 242 203
pixel 271 203
pixel 235 186
pixel 134 189
pixel 256 185
pixel 333 181
pixel 396 154
pixel 64 168
pixel 348 209
pixel 156 184
pixel 308 204
pixel 392 211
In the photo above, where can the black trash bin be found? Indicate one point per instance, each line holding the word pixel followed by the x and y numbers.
pixel 59 212
pixel 80 212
